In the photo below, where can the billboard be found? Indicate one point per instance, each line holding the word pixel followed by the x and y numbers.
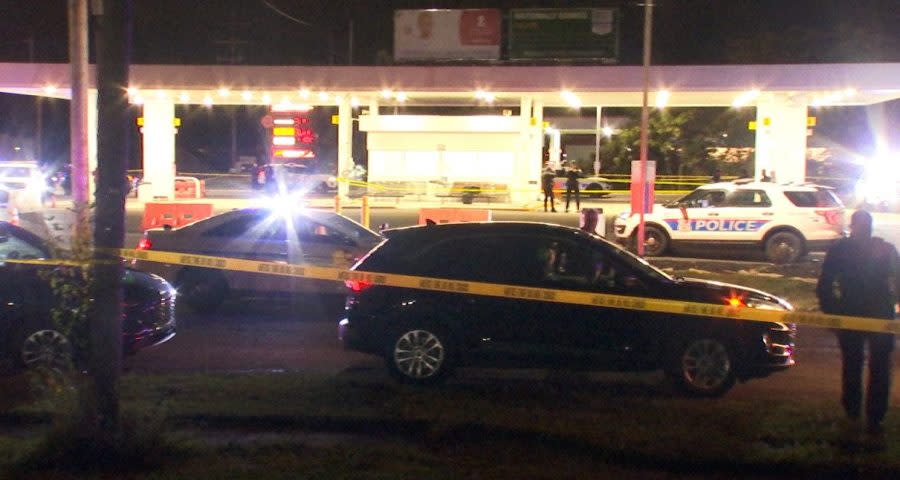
pixel 472 34
pixel 564 33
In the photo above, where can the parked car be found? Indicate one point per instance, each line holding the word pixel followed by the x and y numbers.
pixel 28 336
pixel 291 236
pixel 291 177
pixel 591 186
pixel 785 221
pixel 25 182
pixel 424 334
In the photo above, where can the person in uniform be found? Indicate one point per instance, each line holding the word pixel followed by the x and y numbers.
pixel 860 277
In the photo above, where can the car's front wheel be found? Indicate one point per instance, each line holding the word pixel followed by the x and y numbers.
pixel 46 349
pixel 703 367
pixel 419 355
pixel 656 241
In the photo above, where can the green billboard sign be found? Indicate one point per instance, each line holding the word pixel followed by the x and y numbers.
pixel 564 33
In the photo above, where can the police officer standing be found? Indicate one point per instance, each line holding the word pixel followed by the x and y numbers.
pixel 547 177
pixel 572 187
pixel 860 276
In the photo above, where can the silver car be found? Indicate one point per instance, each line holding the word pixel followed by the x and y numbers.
pixel 297 237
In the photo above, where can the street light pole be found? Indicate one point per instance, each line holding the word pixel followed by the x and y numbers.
pixel 645 124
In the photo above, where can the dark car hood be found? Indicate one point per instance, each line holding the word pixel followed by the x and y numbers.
pixel 695 289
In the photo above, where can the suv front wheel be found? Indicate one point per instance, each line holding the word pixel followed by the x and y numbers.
pixel 419 356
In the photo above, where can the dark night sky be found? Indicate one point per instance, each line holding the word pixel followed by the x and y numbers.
pixel 685 32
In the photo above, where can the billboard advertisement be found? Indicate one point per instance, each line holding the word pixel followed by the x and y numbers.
pixel 564 33
pixel 446 34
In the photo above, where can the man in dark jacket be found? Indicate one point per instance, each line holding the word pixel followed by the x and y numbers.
pixel 860 276
pixel 572 187
pixel 547 186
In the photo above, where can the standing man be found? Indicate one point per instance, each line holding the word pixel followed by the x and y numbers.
pixel 572 187
pixel 547 177
pixel 860 276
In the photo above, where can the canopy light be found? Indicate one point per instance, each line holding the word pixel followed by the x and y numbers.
pixel 387 93
pixel 50 89
pixel 224 92
pixel 247 95
pixel 304 93
pixel 401 97
pixel 831 98
pixel 662 98
pixel 745 98
pixel 570 98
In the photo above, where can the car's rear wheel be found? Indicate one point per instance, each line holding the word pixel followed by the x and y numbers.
pixel 656 242
pixel 784 247
pixel 203 290
pixel 419 356
pixel 46 349
pixel 703 367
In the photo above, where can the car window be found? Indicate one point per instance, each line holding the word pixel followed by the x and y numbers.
pixel 499 259
pixel 349 228
pixel 565 265
pixel 703 198
pixel 258 225
pixel 13 247
pixel 821 198
pixel 311 231
pixel 747 198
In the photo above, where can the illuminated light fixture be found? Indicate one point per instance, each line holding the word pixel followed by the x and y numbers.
pixel 247 95
pixel 293 153
pixel 184 97
pixel 291 107
pixel 484 96
pixel 161 94
pixel 745 98
pixel 137 100
pixel 284 141
pixel 132 91
pixel 570 98
pixel 208 101
pixel 401 97
pixel 266 98
pixel 283 121
pixel 50 89
pixel 387 93
pixel 224 92
pixel 323 96
pixel 354 102
pixel 662 98
pixel 304 93
pixel 830 98
pixel 608 131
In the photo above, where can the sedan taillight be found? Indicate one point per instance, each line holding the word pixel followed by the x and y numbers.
pixel 357 286
pixel 144 244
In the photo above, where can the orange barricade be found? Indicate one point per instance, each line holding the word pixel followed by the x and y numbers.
pixel 186 187
pixel 173 214
pixel 454 215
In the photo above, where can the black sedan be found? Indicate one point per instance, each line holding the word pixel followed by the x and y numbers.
pixel 28 334
pixel 424 334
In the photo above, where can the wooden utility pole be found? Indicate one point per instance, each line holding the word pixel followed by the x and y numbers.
pixel 112 37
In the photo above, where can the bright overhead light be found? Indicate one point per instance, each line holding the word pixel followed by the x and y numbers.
pixel 132 90
pixel 323 96
pixel 662 98
pixel 608 131
pixel 224 92
pixel 571 98
pixel 745 98
pixel 266 98
pixel 247 95
pixel 401 97
pixel 50 89
pixel 304 93
pixel 161 94
pixel 137 100
pixel 208 101
pixel 387 93
pixel 830 98
pixel 354 102
pixel 184 97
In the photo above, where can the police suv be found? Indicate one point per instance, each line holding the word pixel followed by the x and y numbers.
pixel 785 221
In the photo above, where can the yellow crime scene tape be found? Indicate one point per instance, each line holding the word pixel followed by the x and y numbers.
pixel 742 313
